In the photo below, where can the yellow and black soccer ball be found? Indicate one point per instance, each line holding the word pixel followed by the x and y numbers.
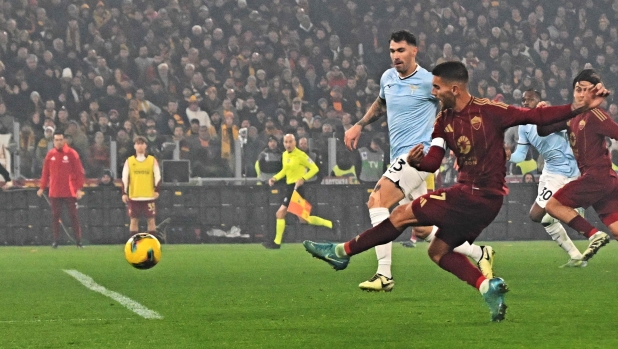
pixel 142 251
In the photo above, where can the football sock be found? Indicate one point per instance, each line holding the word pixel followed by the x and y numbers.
pixel 152 232
pixel 279 231
pixel 460 266
pixel 384 252
pixel 378 215
pixel 315 220
pixel 431 235
pixel 133 232
pixel 378 235
pixel 483 285
pixel 385 257
pixel 581 225
pixel 559 235
pixel 340 251
pixel 473 251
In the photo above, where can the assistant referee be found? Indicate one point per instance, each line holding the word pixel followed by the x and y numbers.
pixel 297 168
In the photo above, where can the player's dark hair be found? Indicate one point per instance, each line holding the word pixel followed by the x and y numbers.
pixel 59 132
pixel 589 75
pixel 452 72
pixel 536 93
pixel 403 35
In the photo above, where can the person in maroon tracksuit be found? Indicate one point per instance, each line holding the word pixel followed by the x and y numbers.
pixel 64 174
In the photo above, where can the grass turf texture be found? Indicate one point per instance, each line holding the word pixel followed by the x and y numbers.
pixel 243 296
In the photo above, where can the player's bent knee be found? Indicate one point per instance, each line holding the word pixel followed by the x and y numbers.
pixel 402 216
pixel 433 255
pixel 536 218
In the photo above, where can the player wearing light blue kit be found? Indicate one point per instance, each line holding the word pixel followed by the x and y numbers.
pixel 560 168
pixel 405 92
pixel 409 102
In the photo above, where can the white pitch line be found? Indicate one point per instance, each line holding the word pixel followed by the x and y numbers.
pixel 58 320
pixel 123 300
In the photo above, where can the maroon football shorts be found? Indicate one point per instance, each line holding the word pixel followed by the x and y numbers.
pixel 600 192
pixel 459 212
pixel 139 209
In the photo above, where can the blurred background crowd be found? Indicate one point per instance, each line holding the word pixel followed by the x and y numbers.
pixel 202 73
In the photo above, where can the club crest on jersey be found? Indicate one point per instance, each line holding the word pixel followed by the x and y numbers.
pixel 581 125
pixel 463 143
pixel 476 122
pixel 65 159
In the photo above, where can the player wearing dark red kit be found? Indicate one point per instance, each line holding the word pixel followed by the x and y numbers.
pixel 64 174
pixel 598 184
pixel 473 129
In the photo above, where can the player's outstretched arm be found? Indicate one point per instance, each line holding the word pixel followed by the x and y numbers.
pixel 353 134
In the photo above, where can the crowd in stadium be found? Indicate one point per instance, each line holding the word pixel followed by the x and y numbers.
pixel 198 71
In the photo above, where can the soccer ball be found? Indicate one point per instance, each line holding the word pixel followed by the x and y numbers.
pixel 143 251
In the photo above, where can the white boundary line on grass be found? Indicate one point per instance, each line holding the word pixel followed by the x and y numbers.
pixel 123 300
pixel 59 320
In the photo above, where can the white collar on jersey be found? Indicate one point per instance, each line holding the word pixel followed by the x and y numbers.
pixel 414 72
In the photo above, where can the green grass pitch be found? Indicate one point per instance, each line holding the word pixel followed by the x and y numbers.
pixel 243 296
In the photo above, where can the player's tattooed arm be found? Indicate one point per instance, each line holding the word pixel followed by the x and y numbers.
pixel 374 112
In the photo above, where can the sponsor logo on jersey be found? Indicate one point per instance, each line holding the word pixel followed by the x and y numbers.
pixel 448 128
pixel 463 143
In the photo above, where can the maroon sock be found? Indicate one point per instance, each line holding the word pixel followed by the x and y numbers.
pixel 153 233
pixel 378 235
pixel 133 232
pixel 581 225
pixel 459 265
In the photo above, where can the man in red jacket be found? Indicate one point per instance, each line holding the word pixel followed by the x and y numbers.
pixel 64 173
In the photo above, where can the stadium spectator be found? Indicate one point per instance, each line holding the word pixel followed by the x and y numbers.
pixel 75 54
pixel 98 156
pixel 269 160
pixel 106 180
pixel 528 178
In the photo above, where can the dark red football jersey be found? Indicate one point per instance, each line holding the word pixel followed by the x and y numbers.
pixel 476 136
pixel 587 132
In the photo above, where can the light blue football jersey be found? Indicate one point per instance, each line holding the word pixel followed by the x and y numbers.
pixel 410 109
pixel 555 149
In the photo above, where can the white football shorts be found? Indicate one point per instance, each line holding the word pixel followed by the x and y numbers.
pixel 549 183
pixel 410 180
